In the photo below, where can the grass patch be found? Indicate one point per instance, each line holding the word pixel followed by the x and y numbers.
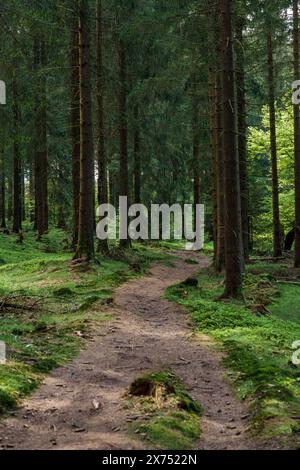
pixel 287 305
pixel 169 417
pixel 259 347
pixel 58 304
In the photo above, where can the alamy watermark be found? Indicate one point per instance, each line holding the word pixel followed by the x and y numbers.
pixel 296 355
pixel 2 352
pixel 2 92
pixel 161 222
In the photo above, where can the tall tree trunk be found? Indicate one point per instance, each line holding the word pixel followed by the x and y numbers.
pixel 75 124
pixel 220 255
pixel 124 243
pixel 242 138
pixel 85 246
pixel 213 147
pixel 23 197
pixel 233 251
pixel 41 154
pixel 137 164
pixel 216 141
pixel 61 199
pixel 31 191
pixel 17 216
pixel 101 154
pixel 10 199
pixel 277 248
pixel 196 151
pixel 3 192
pixel 297 134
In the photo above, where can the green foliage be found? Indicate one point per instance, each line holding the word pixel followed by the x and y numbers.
pixel 258 347
pixel 260 175
pixel 287 304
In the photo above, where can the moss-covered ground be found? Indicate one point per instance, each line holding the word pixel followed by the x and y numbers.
pixel 169 417
pixel 48 305
pixel 257 336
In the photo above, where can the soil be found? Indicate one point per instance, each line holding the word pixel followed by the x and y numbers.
pixel 81 405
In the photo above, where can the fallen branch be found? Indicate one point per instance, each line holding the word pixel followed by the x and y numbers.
pixel 19 302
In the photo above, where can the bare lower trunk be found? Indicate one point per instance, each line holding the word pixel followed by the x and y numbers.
pixel 297 134
pixel 10 199
pixel 233 252
pixel 241 101
pixel 3 191
pixel 196 155
pixel 214 159
pixel 23 199
pixel 277 248
pixel 101 155
pixel 61 198
pixel 85 246
pixel 41 154
pixel 220 258
pixel 31 190
pixel 75 125
pixel 124 243
pixel 137 166
pixel 17 216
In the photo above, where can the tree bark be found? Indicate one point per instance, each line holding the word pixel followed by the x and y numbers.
pixel 217 144
pixel 220 255
pixel 23 198
pixel 3 191
pixel 85 246
pixel 31 191
pixel 61 198
pixel 124 243
pixel 242 138
pixel 17 215
pixel 41 154
pixel 10 199
pixel 196 151
pixel 101 153
pixel 212 126
pixel 296 133
pixel 277 248
pixel 233 251
pixel 137 161
pixel 75 125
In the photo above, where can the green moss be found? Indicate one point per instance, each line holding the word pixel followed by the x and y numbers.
pixel 259 347
pixel 287 305
pixel 173 416
pixel 66 303
pixel 16 380
pixel 177 431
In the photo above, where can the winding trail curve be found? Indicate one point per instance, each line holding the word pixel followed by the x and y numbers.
pixel 147 333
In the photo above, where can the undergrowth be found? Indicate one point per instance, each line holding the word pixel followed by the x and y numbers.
pixel 48 306
pixel 258 346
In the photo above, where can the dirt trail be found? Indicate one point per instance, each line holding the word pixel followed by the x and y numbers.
pixel 147 333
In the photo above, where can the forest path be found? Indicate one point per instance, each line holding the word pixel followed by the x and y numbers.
pixel 147 333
